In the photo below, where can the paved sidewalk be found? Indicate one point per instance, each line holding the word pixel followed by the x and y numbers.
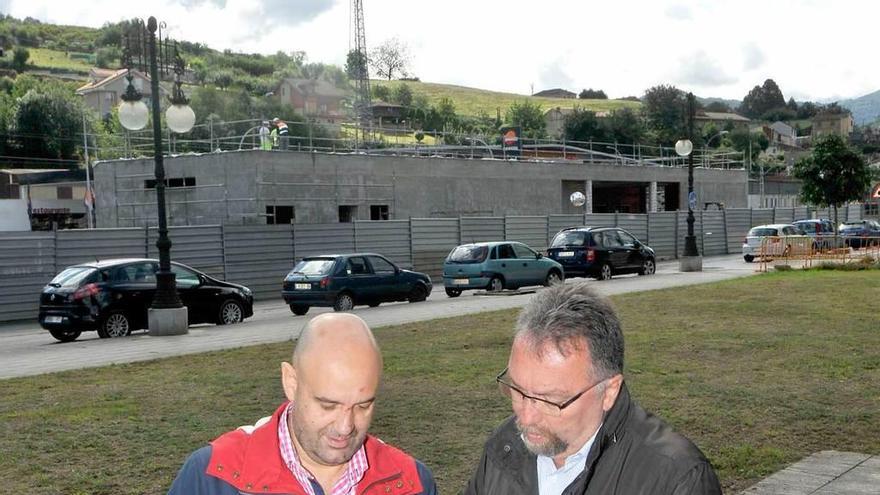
pixel 825 473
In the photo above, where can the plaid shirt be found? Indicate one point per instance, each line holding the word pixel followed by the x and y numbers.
pixel 353 474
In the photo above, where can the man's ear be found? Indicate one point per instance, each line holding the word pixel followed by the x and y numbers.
pixel 288 380
pixel 612 388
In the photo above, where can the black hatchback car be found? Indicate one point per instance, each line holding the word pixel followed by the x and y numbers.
pixel 345 280
pixel 601 252
pixel 112 297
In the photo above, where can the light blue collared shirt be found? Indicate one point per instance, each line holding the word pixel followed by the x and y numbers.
pixel 552 481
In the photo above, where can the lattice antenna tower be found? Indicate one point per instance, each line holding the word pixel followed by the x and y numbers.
pixel 362 81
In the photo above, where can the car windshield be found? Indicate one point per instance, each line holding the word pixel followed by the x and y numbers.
pixel 763 232
pixel 314 266
pixel 568 238
pixel 468 254
pixel 808 227
pixel 72 277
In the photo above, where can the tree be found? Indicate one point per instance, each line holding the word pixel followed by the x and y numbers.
pixel 381 93
pixel 718 106
pixel 529 117
pixel 762 99
pixel 591 94
pixel 107 57
pixel 20 57
pixel 390 59
pixel 833 174
pixel 626 127
pixel 402 95
pixel 665 108
pixel 356 65
pixel 583 125
pixel 45 122
pixel 746 142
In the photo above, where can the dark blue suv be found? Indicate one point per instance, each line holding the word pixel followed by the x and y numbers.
pixel 601 252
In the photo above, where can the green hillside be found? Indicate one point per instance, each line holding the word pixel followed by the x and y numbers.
pixel 475 102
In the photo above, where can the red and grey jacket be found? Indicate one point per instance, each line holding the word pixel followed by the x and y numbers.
pixel 249 461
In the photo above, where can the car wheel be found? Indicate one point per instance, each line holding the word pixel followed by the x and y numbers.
pixel 749 258
pixel 553 278
pixel 648 267
pixel 344 302
pixel 65 335
pixel 299 309
pixel 453 292
pixel 495 284
pixel 417 294
pixel 115 324
pixel 604 272
pixel 231 313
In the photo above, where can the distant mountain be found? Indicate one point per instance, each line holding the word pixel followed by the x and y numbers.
pixel 865 109
pixel 733 104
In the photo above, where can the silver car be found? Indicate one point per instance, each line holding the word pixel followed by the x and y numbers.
pixel 773 240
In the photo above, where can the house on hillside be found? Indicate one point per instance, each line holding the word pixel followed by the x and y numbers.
pixel 721 120
pixel 387 115
pixel 315 98
pixel 555 120
pixel 556 93
pixel 105 88
pixel 824 124
pixel 781 135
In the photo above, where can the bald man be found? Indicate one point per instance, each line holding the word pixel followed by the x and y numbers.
pixel 317 442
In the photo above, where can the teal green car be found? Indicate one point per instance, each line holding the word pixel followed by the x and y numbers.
pixel 495 266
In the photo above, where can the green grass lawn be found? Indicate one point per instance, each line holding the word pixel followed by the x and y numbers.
pixel 474 102
pixel 759 372
pixel 43 58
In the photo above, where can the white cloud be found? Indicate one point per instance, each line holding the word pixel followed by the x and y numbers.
pixel 701 70
pixel 679 12
pixel 753 56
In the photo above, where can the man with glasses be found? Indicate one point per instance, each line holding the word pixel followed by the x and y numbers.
pixel 575 429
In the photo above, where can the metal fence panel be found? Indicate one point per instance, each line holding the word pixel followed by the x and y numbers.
pixel 853 213
pixel 762 216
pixel 315 239
pixel 390 238
pixel 200 247
pixel 432 239
pixel 27 263
pixel 714 235
pixel 739 221
pixel 600 219
pixel 784 215
pixel 80 246
pixel 635 224
pixel 801 213
pixel 482 229
pixel 531 231
pixel 662 236
pixel 258 257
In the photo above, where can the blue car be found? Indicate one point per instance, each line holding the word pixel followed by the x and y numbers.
pixel 495 266
pixel 342 281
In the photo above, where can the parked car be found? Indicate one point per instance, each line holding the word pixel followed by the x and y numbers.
pixel 822 232
pixel 343 281
pixel 495 266
pixel 112 297
pixel 778 239
pixel 601 252
pixel 861 233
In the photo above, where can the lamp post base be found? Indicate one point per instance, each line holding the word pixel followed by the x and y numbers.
pixel 690 264
pixel 167 321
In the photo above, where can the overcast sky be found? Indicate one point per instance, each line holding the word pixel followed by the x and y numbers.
pixel 814 49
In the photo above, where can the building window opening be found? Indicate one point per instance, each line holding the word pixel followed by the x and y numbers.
pixel 280 215
pixel 347 213
pixel 378 212
pixel 175 182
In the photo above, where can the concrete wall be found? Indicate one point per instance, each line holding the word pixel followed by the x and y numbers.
pixel 236 187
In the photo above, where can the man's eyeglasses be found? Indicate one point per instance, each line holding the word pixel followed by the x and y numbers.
pixel 544 406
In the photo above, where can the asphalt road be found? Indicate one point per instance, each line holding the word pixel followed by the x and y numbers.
pixel 26 349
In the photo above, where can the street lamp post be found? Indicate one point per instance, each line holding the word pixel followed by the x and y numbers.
pixel 690 260
pixel 167 314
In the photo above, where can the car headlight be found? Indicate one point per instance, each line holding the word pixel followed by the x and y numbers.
pixel 246 291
